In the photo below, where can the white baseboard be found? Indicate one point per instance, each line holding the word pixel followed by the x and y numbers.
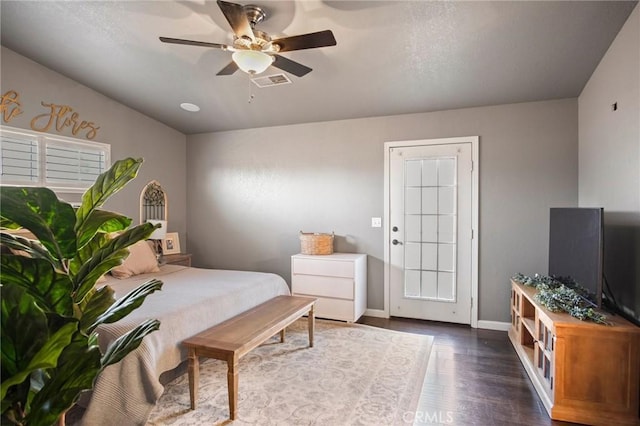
pixel 494 325
pixel 378 313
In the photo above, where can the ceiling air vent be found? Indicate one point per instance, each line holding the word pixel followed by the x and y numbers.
pixel 271 80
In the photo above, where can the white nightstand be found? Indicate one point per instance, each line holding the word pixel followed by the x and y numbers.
pixel 338 280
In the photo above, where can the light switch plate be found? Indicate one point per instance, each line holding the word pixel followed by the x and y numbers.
pixel 376 222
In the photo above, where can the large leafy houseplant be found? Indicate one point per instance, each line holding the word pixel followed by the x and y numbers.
pixel 51 306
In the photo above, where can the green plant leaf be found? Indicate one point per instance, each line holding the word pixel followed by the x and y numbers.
pixel 76 371
pixel 123 306
pixel 90 280
pixel 50 289
pixel 128 342
pixel 8 224
pixel 106 257
pixel 101 220
pixel 97 302
pixel 30 247
pixel 49 295
pixel 24 329
pixel 85 253
pixel 40 211
pixel 46 357
pixel 90 250
pixel 107 184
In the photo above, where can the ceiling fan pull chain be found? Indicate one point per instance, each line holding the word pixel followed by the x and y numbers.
pixel 251 95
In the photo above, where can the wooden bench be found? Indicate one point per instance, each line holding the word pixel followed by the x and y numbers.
pixel 232 339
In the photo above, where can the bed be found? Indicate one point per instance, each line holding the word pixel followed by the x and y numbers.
pixel 190 301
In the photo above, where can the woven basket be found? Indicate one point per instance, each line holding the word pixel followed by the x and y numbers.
pixel 316 243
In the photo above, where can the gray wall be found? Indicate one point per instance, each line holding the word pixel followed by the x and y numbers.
pixel 609 159
pixel 130 133
pixel 251 191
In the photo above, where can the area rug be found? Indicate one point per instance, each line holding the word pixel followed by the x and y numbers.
pixel 354 375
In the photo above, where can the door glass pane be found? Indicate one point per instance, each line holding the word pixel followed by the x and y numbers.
pixel 446 200
pixel 412 228
pixel 412 201
pixel 446 286
pixel 446 257
pixel 430 172
pixel 429 257
pixel 446 229
pixel 429 200
pixel 446 172
pixel 429 283
pixel 412 255
pixel 413 175
pixel 430 228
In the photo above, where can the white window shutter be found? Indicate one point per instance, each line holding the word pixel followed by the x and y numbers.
pixel 60 163
pixel 20 159
pixel 75 165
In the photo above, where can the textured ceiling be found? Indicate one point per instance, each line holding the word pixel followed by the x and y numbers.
pixel 391 58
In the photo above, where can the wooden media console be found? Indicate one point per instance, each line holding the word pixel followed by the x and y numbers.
pixel 583 372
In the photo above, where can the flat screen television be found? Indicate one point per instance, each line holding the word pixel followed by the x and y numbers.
pixel 576 249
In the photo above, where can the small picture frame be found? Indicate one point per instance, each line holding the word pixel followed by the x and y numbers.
pixel 171 243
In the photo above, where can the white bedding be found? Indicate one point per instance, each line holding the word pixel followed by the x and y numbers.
pixel 191 300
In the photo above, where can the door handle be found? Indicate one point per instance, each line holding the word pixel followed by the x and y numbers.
pixel 396 242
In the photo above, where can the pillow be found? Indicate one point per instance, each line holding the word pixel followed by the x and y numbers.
pixel 24 233
pixel 141 260
pixel 17 252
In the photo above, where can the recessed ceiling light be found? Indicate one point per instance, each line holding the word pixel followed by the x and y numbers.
pixel 189 107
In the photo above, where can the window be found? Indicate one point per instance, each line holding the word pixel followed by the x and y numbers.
pixel 29 158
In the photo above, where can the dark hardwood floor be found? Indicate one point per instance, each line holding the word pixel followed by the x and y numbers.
pixel 474 377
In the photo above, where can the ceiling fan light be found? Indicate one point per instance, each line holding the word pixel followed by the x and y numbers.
pixel 252 61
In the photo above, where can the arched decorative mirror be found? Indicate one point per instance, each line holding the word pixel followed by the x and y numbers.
pixel 153 202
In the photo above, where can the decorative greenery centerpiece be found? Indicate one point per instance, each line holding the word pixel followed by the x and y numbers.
pixel 51 306
pixel 557 297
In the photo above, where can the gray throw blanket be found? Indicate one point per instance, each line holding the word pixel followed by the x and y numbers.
pixel 191 300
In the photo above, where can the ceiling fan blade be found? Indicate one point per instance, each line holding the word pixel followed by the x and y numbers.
pixel 306 41
pixel 237 18
pixel 290 66
pixel 193 43
pixel 229 69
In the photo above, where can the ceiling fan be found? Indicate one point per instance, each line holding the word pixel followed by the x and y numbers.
pixel 253 50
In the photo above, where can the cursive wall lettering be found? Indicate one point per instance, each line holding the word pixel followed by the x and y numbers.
pixel 62 116
pixel 10 106
pixel 59 116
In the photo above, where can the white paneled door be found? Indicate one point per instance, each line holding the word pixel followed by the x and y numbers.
pixel 430 232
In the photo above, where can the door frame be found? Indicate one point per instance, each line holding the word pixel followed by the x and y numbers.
pixel 475 230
